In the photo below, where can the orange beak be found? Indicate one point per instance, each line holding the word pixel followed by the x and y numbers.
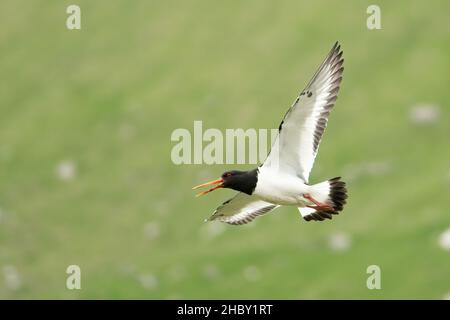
pixel 220 185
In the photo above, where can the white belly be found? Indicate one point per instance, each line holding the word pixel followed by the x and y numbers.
pixel 281 189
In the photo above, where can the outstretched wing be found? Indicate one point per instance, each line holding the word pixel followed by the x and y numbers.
pixel 241 209
pixel 301 130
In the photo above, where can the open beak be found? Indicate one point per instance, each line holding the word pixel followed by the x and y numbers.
pixel 219 183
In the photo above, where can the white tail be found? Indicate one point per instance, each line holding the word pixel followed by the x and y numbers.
pixel 332 193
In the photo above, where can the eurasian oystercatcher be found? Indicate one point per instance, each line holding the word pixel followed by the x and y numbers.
pixel 282 180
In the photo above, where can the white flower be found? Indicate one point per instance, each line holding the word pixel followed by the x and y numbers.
pixel 148 281
pixel 66 170
pixel 339 242
pixel 12 277
pixel 424 114
pixel 444 240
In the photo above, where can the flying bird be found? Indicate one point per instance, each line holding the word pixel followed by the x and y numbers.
pixel 283 178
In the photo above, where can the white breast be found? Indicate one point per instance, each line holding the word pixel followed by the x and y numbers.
pixel 280 188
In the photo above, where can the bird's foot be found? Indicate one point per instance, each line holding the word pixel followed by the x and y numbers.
pixel 319 206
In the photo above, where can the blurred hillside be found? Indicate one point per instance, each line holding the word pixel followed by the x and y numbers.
pixel 86 176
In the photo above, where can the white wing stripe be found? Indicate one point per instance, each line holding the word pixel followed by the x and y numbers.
pixel 241 209
pixel 301 130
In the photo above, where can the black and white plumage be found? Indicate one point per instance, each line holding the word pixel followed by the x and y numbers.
pixel 241 209
pixel 283 178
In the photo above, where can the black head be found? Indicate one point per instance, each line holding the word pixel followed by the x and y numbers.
pixel 243 181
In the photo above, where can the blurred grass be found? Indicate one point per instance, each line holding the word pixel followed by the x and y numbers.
pixel 107 98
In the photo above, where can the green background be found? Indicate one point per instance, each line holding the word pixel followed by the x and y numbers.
pixel 105 99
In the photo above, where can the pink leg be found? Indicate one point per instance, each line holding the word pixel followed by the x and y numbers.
pixel 318 205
